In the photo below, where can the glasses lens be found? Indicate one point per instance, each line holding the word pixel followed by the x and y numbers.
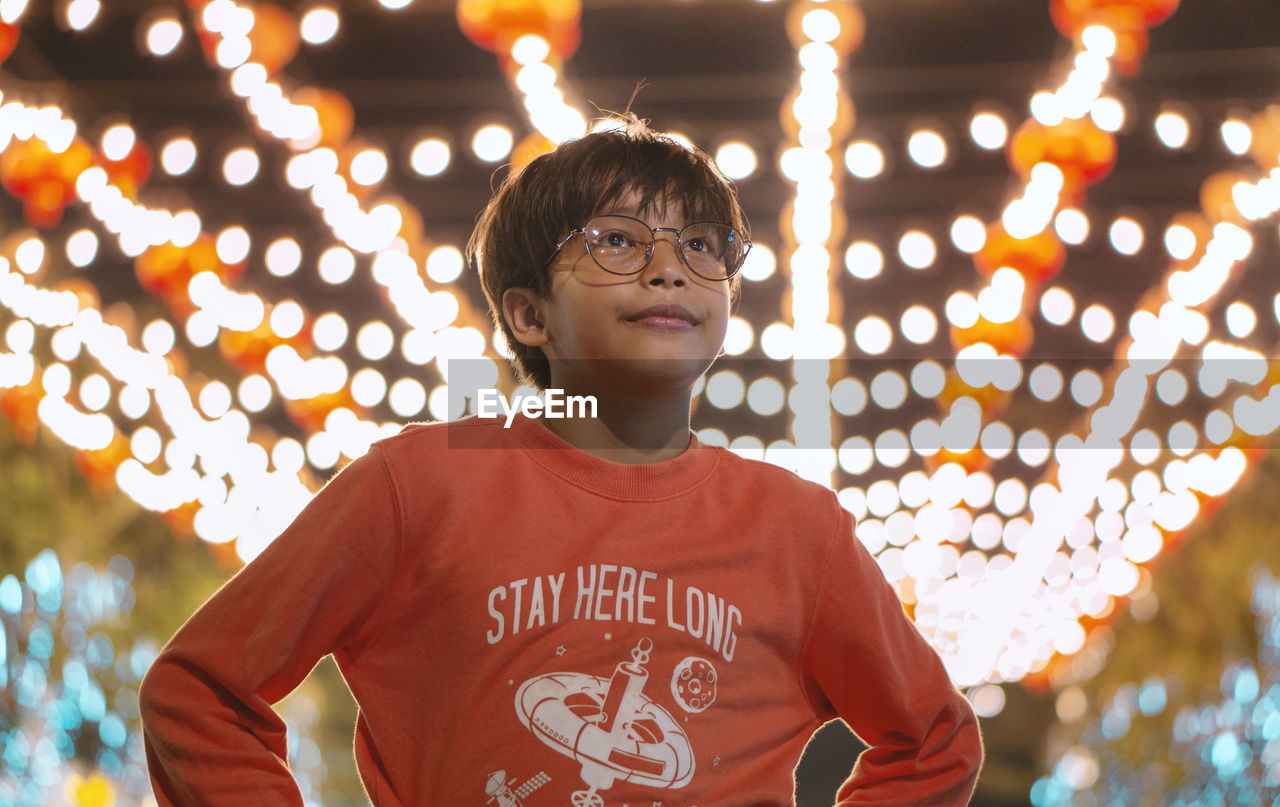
pixel 712 250
pixel 619 243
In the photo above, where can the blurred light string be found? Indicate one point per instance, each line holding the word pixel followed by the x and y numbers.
pixel 1033 210
pixel 1003 298
pixel 537 79
pixel 1085 463
pixel 139 227
pixel 942 610
pixel 298 125
pixel 822 114
pixel 260 503
pixel 381 231
pixel 951 611
pixel 256 506
pixel 993 640
pixel 429 314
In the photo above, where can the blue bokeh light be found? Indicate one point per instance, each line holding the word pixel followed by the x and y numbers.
pixel 1228 750
pixel 72 670
pixel 1153 697
pixel 10 594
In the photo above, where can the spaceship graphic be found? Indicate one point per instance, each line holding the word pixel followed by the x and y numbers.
pixel 609 725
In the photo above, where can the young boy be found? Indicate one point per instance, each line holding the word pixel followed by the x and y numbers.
pixel 574 611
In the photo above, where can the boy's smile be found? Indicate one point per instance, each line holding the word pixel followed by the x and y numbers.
pixel 665 316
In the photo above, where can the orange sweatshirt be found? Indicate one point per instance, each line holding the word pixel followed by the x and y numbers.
pixel 523 623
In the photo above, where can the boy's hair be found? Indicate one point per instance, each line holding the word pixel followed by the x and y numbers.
pixel 537 206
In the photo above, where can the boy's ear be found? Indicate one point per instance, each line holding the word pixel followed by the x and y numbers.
pixel 520 307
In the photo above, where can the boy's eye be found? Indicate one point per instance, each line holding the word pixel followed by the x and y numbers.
pixel 615 240
pixel 696 244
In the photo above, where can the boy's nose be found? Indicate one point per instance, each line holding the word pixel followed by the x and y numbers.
pixel 667 265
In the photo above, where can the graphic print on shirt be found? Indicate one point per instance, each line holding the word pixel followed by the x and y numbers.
pixel 611 727
pixel 508 792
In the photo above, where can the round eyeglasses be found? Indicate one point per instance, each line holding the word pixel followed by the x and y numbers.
pixel 624 246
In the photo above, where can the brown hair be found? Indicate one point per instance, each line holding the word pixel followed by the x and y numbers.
pixel 536 207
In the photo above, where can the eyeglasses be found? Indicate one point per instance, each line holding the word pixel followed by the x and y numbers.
pixel 624 245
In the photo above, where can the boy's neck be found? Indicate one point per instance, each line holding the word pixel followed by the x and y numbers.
pixel 630 429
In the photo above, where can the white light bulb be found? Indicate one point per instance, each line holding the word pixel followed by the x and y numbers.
pixel 118 141
pixel 82 13
pixel 492 143
pixel 988 130
pixel 736 160
pixel 429 157
pixel 318 25
pixel 240 166
pixel 927 148
pixel 177 156
pixel 164 36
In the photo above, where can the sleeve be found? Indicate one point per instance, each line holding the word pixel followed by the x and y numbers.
pixel 864 660
pixel 210 734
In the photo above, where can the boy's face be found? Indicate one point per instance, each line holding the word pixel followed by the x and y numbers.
pixel 659 328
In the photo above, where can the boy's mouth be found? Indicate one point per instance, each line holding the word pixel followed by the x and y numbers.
pixel 666 315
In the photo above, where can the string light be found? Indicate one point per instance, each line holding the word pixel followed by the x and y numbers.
pixel 492 142
pixel 822 38
pixel 163 36
pixel 736 160
pixel 988 130
pixel 80 14
pixel 429 156
pixel 536 78
pixel 89 433
pixel 178 156
pixel 318 25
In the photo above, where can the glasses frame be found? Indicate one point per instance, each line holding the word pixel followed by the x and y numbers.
pixel 652 246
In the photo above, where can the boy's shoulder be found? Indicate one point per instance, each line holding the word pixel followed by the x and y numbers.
pixel 773 482
pixel 439 444
pixel 469 432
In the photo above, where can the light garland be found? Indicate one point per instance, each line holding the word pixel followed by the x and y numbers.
pixel 1025 218
pixel 1084 466
pixel 218 520
pixel 256 502
pixel 980 636
pixel 141 227
pixel 823 34
pixel 536 78
pixel 316 167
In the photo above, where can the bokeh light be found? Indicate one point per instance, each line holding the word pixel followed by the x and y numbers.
pixel 318 25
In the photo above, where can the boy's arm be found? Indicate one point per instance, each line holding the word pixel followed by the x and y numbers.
pixel 865 658
pixel 210 733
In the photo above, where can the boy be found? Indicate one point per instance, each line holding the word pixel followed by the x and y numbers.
pixel 576 611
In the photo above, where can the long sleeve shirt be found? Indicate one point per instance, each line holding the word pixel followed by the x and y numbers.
pixel 523 623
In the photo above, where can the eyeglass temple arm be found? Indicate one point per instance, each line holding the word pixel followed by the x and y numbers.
pixel 563 241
